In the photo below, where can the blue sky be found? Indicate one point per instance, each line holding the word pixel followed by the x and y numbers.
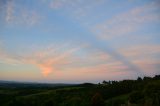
pixel 77 41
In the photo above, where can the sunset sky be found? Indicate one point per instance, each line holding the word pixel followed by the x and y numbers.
pixel 75 41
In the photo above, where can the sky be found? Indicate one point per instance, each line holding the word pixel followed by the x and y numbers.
pixel 76 41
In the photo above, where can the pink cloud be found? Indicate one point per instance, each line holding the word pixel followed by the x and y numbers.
pixel 100 72
pixel 140 50
pixel 53 59
pixel 47 60
pixel 65 62
pixel 144 56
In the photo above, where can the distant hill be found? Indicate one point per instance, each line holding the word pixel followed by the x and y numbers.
pixel 16 84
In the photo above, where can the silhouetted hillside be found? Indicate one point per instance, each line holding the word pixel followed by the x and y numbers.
pixel 141 92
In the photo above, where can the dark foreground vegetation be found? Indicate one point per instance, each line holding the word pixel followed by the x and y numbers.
pixel 141 92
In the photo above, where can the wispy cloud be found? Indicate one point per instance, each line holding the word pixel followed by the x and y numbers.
pixel 9 11
pixel 76 9
pixel 49 60
pixel 108 71
pixel 144 56
pixel 46 60
pixel 141 50
pixel 21 17
pixel 63 58
pixel 128 22
pixel 56 4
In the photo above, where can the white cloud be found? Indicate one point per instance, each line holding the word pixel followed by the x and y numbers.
pixel 128 22
pixel 9 12
pixel 16 14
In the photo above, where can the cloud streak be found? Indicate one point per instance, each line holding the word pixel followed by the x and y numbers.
pixel 128 22
pixel 58 58
pixel 146 57
pixel 46 60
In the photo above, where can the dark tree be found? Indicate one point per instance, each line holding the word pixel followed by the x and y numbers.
pixel 139 79
pixel 147 78
pixel 105 82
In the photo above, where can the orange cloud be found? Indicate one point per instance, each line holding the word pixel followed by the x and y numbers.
pixel 46 70
pixel 47 60
pixel 51 59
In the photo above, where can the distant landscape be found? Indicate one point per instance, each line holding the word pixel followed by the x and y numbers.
pixel 141 92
